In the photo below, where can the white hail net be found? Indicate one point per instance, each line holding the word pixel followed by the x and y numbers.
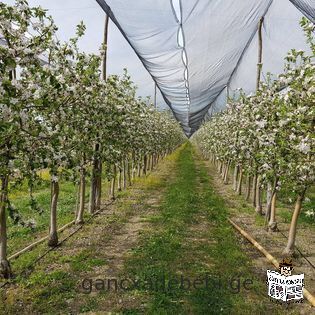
pixel 196 50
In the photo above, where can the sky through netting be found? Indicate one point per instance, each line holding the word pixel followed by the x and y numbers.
pixel 197 51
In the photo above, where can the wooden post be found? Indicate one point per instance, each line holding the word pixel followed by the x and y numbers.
pixel 97 183
pixel 227 93
pixel 105 40
pixel 257 189
pixel 259 64
pixel 155 91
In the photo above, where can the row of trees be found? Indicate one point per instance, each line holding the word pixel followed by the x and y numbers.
pixel 57 113
pixel 269 137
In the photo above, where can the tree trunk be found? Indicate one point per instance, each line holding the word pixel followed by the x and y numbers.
pixel 152 162
pixel 5 269
pixel 77 202
pixel 53 237
pixel 254 189
pixel 268 203
pixel 239 185
pixel 113 183
pixel 132 170
pixel 272 225
pixel 271 195
pixel 223 170
pixel 258 208
pixel 289 250
pixel 129 170
pixel 149 162
pixel 98 187
pixel 92 191
pixel 236 168
pixel 249 183
pixel 119 179
pixel 139 169
pixel 145 160
pixel 79 219
pixel 95 180
pixel 226 173
pixel 124 174
pixel 220 167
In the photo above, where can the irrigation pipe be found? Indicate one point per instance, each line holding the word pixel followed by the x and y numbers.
pixel 31 246
pixel 272 259
pixel 59 243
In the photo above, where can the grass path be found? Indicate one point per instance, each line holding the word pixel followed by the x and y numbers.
pixel 165 247
pixel 190 241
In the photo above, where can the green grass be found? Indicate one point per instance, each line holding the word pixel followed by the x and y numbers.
pixel 20 236
pixel 90 305
pixel 84 262
pixel 166 251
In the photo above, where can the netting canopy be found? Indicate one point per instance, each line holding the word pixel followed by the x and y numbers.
pixel 197 51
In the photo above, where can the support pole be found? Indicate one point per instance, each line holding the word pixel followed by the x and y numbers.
pixel 259 64
pixel 227 93
pixel 105 41
pixel 155 105
pixel 257 198
pixel 97 182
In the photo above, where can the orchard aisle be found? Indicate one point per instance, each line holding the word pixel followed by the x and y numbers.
pixel 164 244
